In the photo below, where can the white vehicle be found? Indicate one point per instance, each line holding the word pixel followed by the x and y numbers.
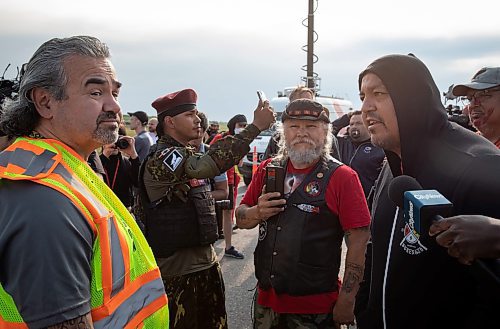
pixel 259 144
pixel 336 106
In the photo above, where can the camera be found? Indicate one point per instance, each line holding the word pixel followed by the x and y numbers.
pixel 122 144
pixel 9 88
pixel 224 204
pixel 455 115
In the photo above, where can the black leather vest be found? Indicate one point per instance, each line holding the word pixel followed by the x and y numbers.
pixel 299 250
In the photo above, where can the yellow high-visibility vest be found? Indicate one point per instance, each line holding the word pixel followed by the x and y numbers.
pixel 126 286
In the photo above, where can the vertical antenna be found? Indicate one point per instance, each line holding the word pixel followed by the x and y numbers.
pixel 311 79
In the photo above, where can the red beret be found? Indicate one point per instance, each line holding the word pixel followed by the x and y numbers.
pixel 176 103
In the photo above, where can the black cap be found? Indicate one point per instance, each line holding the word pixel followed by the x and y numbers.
pixel 305 109
pixel 141 115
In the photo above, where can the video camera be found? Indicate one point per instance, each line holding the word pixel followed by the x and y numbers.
pixel 455 115
pixel 224 204
pixel 454 111
pixel 9 88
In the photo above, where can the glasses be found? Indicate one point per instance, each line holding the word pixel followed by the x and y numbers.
pixel 478 97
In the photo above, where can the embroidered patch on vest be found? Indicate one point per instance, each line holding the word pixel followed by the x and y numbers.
pixel 262 230
pixel 173 159
pixel 307 207
pixel 312 189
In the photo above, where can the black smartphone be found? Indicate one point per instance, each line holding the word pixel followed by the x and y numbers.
pixel 275 180
pixel 261 96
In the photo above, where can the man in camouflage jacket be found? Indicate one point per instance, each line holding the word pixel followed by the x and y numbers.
pixel 179 212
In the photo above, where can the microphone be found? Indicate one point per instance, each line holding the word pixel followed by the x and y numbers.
pixel 422 207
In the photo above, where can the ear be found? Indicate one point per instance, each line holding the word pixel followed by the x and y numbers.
pixel 44 102
pixel 169 122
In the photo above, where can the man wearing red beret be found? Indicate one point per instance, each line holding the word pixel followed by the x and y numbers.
pixel 179 212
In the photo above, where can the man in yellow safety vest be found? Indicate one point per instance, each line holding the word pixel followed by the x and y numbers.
pixel 72 255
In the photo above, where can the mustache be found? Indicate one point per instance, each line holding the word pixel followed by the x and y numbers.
pixel 373 116
pixel 105 116
pixel 302 140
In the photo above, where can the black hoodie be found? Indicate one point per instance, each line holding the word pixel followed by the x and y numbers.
pixel 427 289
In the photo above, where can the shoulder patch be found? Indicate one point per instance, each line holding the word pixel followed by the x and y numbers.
pixel 173 159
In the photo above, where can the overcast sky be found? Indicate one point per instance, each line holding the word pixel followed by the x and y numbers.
pixel 227 49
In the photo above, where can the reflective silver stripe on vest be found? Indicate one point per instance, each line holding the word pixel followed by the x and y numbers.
pixel 144 296
pixel 77 185
pixel 32 163
pixel 117 257
pixel 117 262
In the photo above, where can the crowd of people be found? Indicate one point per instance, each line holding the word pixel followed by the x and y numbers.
pixel 99 229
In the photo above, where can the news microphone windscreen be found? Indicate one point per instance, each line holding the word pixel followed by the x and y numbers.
pixel 399 186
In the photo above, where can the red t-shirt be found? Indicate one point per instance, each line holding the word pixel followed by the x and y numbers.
pixel 344 197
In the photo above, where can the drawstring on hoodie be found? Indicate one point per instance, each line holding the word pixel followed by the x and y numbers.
pixel 389 249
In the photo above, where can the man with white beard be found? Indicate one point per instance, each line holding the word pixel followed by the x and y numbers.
pixel 297 258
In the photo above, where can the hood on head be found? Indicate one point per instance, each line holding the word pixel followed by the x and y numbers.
pixel 234 120
pixel 417 102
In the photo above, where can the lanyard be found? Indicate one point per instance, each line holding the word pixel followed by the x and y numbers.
pixel 112 184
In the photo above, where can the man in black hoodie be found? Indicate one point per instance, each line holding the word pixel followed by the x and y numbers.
pixel 422 287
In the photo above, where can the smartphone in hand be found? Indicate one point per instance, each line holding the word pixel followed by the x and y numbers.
pixel 275 180
pixel 261 96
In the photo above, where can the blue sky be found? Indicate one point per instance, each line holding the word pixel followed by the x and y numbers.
pixel 227 49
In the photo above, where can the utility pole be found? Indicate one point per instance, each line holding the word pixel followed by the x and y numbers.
pixel 310 46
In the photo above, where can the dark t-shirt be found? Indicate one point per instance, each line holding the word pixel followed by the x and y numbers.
pixel 95 163
pixel 45 253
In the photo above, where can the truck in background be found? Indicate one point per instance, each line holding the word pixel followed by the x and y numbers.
pixel 335 105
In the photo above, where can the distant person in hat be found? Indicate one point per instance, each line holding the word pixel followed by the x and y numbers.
pixel 482 97
pixel 297 258
pixel 213 130
pixel 179 212
pixel 143 141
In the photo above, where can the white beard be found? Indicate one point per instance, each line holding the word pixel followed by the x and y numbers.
pixel 306 156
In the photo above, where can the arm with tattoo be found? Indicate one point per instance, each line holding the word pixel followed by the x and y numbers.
pixel 356 240
pixel 247 217
pixel 81 322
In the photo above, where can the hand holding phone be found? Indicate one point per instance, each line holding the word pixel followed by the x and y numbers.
pixel 264 115
pixel 261 96
pixel 275 179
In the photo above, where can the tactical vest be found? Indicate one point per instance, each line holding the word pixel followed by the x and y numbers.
pixel 299 250
pixel 126 286
pixel 176 224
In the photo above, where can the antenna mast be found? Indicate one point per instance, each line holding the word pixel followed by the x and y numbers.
pixel 311 79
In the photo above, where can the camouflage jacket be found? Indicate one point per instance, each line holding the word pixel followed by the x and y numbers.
pixel 172 165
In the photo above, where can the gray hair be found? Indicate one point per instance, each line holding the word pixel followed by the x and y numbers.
pixel 45 69
pixel 282 150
